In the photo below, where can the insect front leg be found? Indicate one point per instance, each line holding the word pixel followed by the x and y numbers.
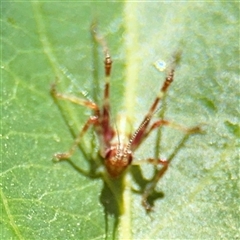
pixel 93 120
pixel 73 99
pixel 63 156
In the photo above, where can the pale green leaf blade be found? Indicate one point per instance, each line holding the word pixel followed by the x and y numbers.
pixel 42 41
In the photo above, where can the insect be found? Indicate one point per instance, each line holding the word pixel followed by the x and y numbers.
pixel 116 147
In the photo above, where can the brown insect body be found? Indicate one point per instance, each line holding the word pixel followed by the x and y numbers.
pixel 117 159
pixel 117 147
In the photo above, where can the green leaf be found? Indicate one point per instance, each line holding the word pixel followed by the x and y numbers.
pixel 43 41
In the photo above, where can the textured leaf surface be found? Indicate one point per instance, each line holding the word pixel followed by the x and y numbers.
pixel 44 41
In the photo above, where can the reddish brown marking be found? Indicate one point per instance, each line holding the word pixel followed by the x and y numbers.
pixel 168 81
pixel 108 65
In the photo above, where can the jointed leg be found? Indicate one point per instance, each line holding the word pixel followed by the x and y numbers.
pixel 61 156
pixel 151 186
pixel 144 130
pixel 160 123
pixel 73 99
pixel 140 133
pixel 105 117
pixel 165 163
pixel 91 121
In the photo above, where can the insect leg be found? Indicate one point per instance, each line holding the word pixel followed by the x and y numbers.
pixel 73 99
pixel 163 122
pixel 91 121
pixel 165 163
pixel 151 186
pixel 105 117
pixel 140 133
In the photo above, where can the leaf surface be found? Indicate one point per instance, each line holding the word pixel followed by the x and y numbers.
pixel 45 41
